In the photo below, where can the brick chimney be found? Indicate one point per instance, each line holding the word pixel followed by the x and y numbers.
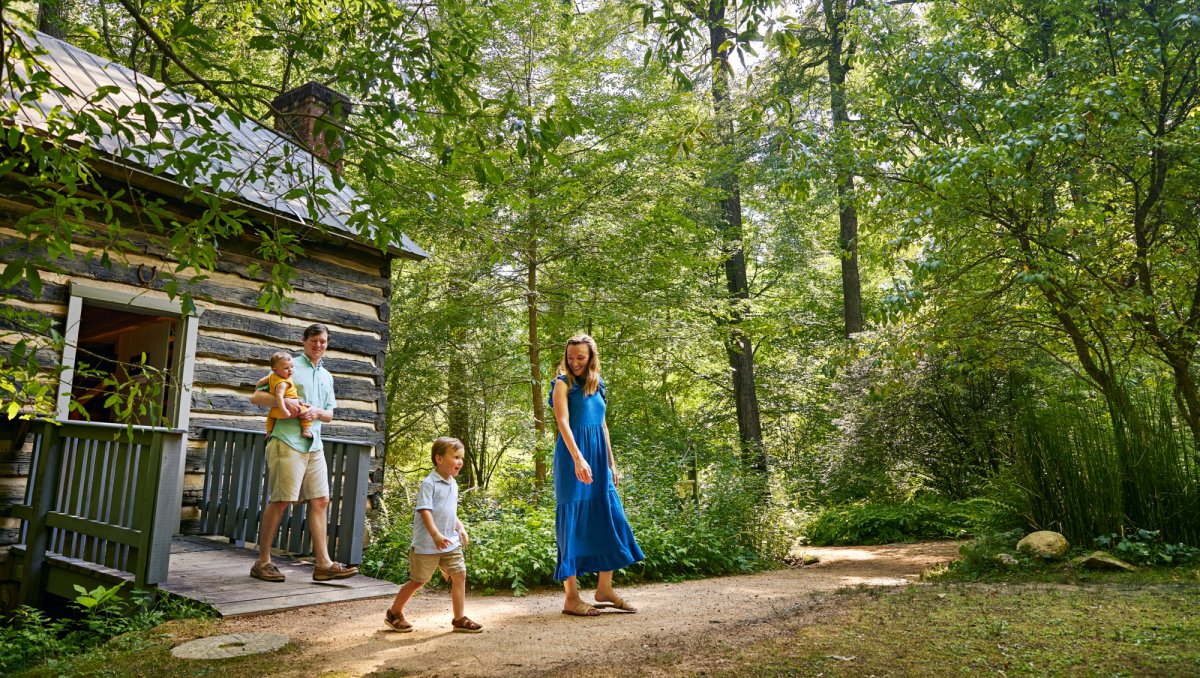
pixel 300 108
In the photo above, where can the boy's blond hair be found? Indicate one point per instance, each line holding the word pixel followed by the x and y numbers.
pixel 443 446
pixel 279 356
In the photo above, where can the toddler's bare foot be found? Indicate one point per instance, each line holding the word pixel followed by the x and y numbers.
pixel 306 434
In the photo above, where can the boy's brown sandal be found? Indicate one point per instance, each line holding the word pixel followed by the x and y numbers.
pixel 266 572
pixel 464 625
pixel 396 622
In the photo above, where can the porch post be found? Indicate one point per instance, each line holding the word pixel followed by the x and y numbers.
pixel 45 483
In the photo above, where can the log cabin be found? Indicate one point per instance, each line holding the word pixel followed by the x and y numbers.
pixel 90 497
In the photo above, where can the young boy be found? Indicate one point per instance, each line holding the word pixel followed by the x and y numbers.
pixel 436 516
pixel 280 384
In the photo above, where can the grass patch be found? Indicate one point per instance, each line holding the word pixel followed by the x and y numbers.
pixel 148 653
pixel 1028 629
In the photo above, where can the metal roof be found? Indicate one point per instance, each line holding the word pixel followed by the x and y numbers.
pixel 258 164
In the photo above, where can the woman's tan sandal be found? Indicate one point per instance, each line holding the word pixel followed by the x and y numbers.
pixel 581 610
pixel 617 603
pixel 397 622
pixel 465 625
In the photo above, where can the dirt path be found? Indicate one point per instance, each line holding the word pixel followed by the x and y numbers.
pixel 528 635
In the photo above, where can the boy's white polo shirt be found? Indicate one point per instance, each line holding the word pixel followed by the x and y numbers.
pixel 441 496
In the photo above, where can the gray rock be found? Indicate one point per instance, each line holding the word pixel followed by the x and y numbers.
pixel 1099 560
pixel 1006 559
pixel 1044 544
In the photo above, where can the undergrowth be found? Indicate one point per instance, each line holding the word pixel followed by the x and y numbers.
pixel 885 523
pixel 30 636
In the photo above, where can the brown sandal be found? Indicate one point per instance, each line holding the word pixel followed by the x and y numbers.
pixel 465 625
pixel 582 610
pixel 617 603
pixel 396 623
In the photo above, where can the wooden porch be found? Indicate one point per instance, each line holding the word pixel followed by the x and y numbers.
pixel 218 574
pixel 102 504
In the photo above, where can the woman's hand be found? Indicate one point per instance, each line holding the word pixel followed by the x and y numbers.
pixel 583 471
pixel 615 476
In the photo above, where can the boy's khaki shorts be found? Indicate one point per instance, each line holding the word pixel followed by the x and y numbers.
pixel 422 565
pixel 295 475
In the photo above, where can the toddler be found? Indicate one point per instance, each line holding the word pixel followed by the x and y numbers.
pixel 279 383
pixel 436 516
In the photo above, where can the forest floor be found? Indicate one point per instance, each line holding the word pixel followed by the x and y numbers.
pixel 528 635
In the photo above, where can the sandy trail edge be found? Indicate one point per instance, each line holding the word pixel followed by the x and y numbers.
pixel 528 635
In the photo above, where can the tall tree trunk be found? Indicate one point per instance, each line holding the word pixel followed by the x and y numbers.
pixel 839 66
pixel 739 346
pixel 52 17
pixel 458 418
pixel 535 362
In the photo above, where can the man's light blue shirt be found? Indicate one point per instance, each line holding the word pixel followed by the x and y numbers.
pixel 314 383
pixel 439 495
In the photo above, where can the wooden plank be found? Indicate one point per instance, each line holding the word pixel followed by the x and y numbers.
pixel 34 566
pixel 233 376
pixel 251 352
pixel 211 292
pixel 114 533
pixel 269 328
pixel 259 607
pixel 165 522
pixel 204 403
pixel 108 512
pixel 93 501
pixel 238 255
pixel 149 477
pixel 78 451
pixel 358 470
pixel 208 501
pixel 197 427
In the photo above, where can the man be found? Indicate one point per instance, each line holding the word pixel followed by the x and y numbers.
pixel 296 469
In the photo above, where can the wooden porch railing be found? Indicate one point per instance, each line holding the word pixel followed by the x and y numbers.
pixel 100 498
pixel 235 493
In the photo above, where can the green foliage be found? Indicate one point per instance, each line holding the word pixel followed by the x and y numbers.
pixel 990 553
pixel 30 637
pixel 1144 547
pixel 941 422
pixel 512 548
pixel 868 523
pixel 1082 475
pixel 386 557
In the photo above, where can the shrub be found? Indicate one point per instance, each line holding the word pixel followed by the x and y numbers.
pixel 387 555
pixel 1144 547
pixel 911 521
pixel 513 548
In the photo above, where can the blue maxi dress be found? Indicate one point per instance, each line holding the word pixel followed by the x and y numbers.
pixel 590 526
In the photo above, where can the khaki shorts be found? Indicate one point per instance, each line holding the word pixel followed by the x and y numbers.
pixel 295 475
pixel 422 565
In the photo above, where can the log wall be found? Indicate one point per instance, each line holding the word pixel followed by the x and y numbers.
pixel 342 285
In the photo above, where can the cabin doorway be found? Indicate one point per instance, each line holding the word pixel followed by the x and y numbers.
pixel 123 365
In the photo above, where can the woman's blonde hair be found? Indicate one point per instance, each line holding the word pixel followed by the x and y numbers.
pixel 591 379
pixel 443 446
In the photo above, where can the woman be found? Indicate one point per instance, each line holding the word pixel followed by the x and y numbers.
pixel 593 534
